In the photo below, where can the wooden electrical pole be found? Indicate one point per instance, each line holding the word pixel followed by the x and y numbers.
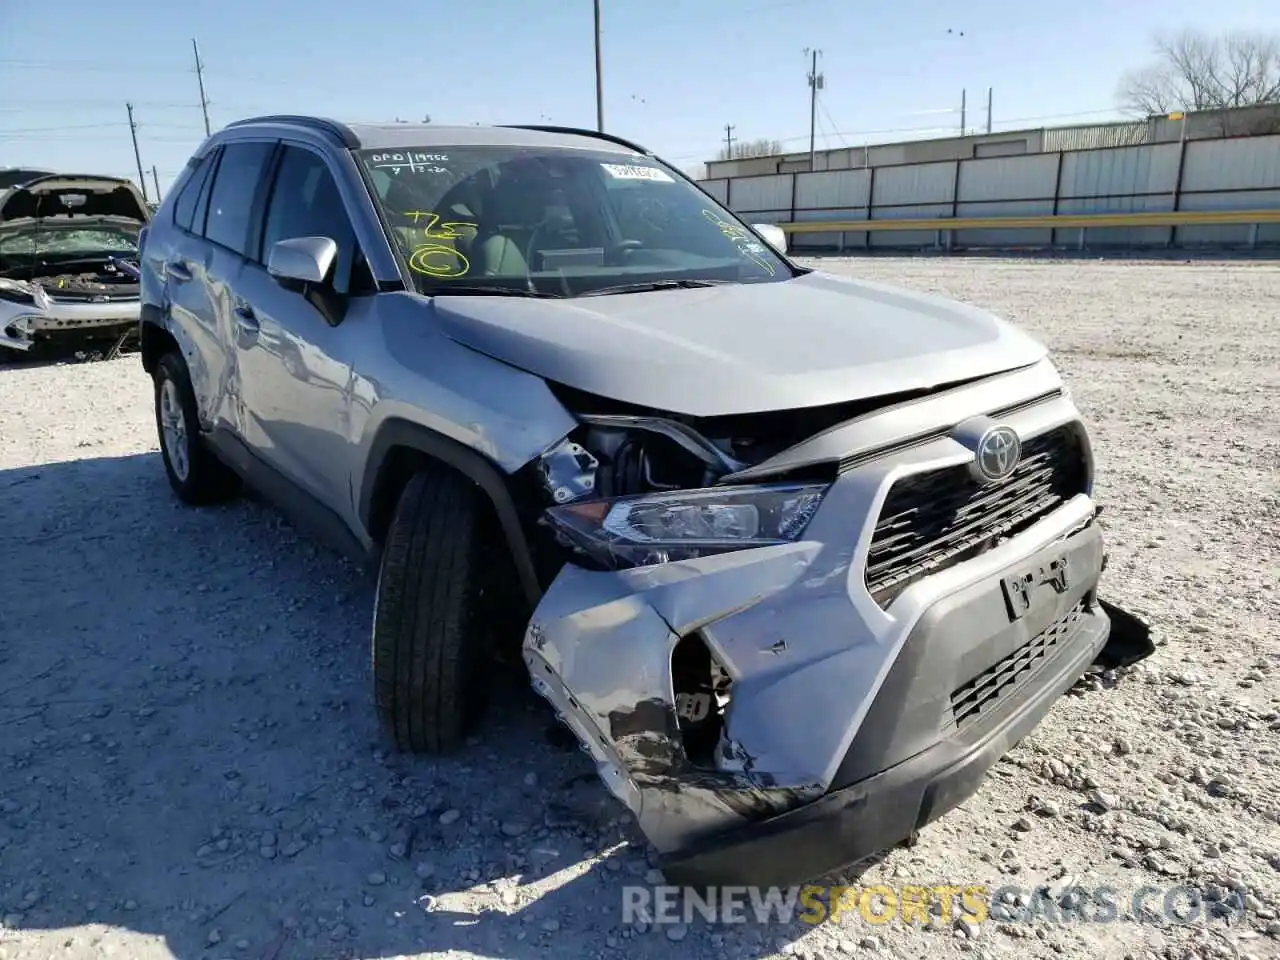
pixel 815 84
pixel 599 75
pixel 204 101
pixel 133 132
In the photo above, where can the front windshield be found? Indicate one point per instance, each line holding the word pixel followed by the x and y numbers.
pixel 557 221
pixel 63 243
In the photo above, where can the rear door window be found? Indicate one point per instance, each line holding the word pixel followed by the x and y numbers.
pixel 235 187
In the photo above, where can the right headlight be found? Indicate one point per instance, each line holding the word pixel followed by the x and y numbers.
pixel 681 525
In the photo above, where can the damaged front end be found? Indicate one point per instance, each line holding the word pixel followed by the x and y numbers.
pixel 760 617
pixel 637 507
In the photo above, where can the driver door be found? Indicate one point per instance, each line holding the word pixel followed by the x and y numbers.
pixel 295 348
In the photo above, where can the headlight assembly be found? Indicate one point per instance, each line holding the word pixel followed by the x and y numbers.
pixel 681 525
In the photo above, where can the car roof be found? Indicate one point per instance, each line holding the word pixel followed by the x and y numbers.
pixel 401 136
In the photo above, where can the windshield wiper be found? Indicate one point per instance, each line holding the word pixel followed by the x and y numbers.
pixel 646 285
pixel 485 290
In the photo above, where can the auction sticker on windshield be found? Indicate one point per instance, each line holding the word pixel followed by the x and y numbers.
pixel 635 171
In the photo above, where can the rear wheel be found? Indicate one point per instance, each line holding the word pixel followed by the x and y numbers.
pixel 195 473
pixel 430 640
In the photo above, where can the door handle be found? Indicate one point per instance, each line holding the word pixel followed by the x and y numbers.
pixel 177 271
pixel 245 318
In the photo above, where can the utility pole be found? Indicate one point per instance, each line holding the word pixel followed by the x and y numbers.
pixel 133 132
pixel 728 141
pixel 988 109
pixel 204 101
pixel 155 178
pixel 815 84
pixel 599 76
pixel 962 109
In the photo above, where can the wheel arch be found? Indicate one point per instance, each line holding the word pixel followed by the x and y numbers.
pixel 400 448
pixel 154 338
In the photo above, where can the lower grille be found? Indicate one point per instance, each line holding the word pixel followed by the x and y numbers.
pixel 935 520
pixel 991 688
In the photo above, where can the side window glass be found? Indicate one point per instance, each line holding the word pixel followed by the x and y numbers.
pixel 184 209
pixel 231 199
pixel 202 204
pixel 305 202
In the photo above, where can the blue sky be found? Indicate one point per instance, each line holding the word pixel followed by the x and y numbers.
pixel 675 71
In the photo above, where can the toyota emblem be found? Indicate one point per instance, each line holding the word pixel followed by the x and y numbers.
pixel 998 452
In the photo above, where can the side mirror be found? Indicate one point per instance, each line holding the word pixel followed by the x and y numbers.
pixel 774 236
pixel 302 260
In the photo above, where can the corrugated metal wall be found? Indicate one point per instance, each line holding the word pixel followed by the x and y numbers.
pixel 1226 174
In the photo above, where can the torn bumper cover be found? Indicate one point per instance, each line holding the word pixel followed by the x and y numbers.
pixel 850 722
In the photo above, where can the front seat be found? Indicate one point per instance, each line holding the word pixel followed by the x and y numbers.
pixel 512 213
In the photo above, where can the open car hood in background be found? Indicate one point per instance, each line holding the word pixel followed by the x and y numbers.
pixel 73 200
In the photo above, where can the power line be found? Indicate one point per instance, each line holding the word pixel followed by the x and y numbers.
pixel 1008 126
pixel 822 105
pixel 25 131
pixel 728 141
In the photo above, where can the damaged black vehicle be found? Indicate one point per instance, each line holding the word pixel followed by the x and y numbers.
pixel 69 247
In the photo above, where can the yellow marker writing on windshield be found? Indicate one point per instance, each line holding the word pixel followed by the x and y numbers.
pixel 435 230
pixel 437 260
pixel 747 245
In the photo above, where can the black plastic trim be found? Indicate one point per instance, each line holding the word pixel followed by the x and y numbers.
pixel 953 641
pixel 486 475
pixel 581 132
pixel 299 506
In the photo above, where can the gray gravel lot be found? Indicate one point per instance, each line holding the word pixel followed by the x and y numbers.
pixel 190 765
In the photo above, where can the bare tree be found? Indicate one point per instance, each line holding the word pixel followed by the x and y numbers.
pixel 1195 71
pixel 745 149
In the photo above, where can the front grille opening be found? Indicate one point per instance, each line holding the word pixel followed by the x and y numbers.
pixel 990 689
pixel 702 689
pixel 935 520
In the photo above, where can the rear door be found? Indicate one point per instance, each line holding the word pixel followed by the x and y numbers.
pixel 296 368
pixel 201 276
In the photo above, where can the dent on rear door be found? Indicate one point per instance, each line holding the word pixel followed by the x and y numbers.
pixel 199 311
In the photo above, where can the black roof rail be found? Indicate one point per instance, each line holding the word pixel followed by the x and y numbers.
pixel 581 132
pixel 331 127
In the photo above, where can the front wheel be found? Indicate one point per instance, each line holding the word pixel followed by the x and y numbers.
pixel 195 473
pixel 430 642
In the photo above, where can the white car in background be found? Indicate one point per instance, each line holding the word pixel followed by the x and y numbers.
pixel 69 249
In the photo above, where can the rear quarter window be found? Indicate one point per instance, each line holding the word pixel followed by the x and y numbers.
pixel 185 207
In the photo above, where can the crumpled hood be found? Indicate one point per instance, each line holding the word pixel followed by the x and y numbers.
pixel 814 340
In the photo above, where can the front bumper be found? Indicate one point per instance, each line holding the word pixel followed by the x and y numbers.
pixel 849 725
pixel 849 824
pixel 23 325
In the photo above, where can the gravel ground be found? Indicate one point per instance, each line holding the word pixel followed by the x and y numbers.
pixel 190 766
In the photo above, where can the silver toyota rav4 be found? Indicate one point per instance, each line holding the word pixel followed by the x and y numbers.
pixel 796 557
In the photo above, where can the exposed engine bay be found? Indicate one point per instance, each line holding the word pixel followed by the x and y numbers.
pixel 109 278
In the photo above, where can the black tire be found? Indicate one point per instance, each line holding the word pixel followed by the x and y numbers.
pixel 431 643
pixel 206 479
